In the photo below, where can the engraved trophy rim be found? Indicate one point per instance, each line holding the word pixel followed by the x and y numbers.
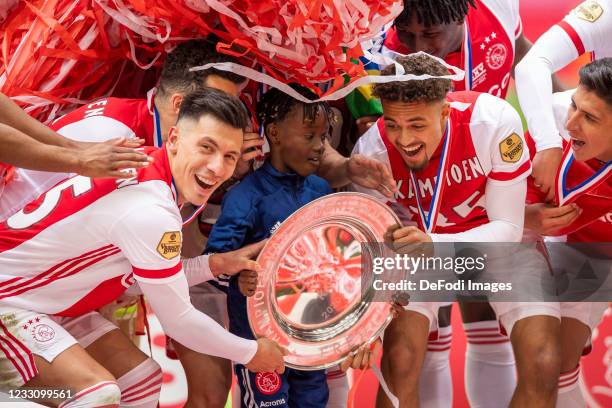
pixel 314 346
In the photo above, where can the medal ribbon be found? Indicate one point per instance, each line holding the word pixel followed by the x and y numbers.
pixel 186 219
pixel 428 220
pixel 157 129
pixel 467 55
pixel 565 194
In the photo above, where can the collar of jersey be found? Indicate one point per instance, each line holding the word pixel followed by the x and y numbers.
pixel 272 171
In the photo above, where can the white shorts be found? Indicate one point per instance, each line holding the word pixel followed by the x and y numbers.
pixel 430 311
pixel 25 333
pixel 588 313
pixel 563 258
pixel 86 328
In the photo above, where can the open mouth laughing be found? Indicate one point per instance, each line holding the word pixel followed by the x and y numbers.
pixel 413 150
pixel 206 183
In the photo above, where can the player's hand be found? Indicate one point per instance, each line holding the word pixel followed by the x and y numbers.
pixel 409 241
pixel 411 234
pixel 362 358
pixel 547 220
pixel 545 165
pixel 251 149
pixel 399 300
pixel 268 358
pixel 396 309
pixel 230 263
pixel 106 159
pixel 364 123
pixel 371 174
pixel 247 283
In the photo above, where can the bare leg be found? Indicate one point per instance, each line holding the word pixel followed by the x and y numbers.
pixel 537 350
pixel 404 347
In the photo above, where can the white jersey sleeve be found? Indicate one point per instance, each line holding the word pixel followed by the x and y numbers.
pixel 499 141
pixel 505 206
pixel 197 270
pixel 29 184
pixel 591 23
pixel 182 322
pixel 497 134
pixel 96 129
pixel 587 28
pixel 150 238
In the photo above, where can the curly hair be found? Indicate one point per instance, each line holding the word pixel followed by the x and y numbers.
pixel 275 105
pixel 427 90
pixel 175 75
pixel 435 12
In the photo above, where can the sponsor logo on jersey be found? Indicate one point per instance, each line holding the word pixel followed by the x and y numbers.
pixel 268 383
pixel 479 75
pixel 588 11
pixel 511 148
pixel 459 172
pixel 170 244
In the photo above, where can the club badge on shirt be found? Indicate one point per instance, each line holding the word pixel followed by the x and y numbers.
pixel 170 244
pixel 511 148
pixel 589 11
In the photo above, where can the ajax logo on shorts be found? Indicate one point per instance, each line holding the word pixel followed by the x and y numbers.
pixel 268 383
pixel 41 332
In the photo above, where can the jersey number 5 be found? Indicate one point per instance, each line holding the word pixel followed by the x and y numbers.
pixel 22 220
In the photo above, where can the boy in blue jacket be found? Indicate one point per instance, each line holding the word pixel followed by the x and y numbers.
pixel 253 209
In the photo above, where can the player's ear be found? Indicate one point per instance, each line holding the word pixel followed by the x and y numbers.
pixel 175 102
pixel 172 141
pixel 272 133
pixel 445 111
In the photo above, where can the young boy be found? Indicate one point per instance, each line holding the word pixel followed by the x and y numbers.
pixel 252 210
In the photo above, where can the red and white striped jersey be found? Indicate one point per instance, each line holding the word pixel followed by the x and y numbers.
pixel 98 121
pixel 484 143
pixel 488 49
pixel 82 243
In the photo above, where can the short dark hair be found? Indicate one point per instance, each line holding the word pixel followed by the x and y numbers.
pixel 597 77
pixel 275 105
pixel 176 76
pixel 427 90
pixel 435 12
pixel 208 101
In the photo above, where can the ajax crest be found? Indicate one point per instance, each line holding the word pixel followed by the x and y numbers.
pixel 268 383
